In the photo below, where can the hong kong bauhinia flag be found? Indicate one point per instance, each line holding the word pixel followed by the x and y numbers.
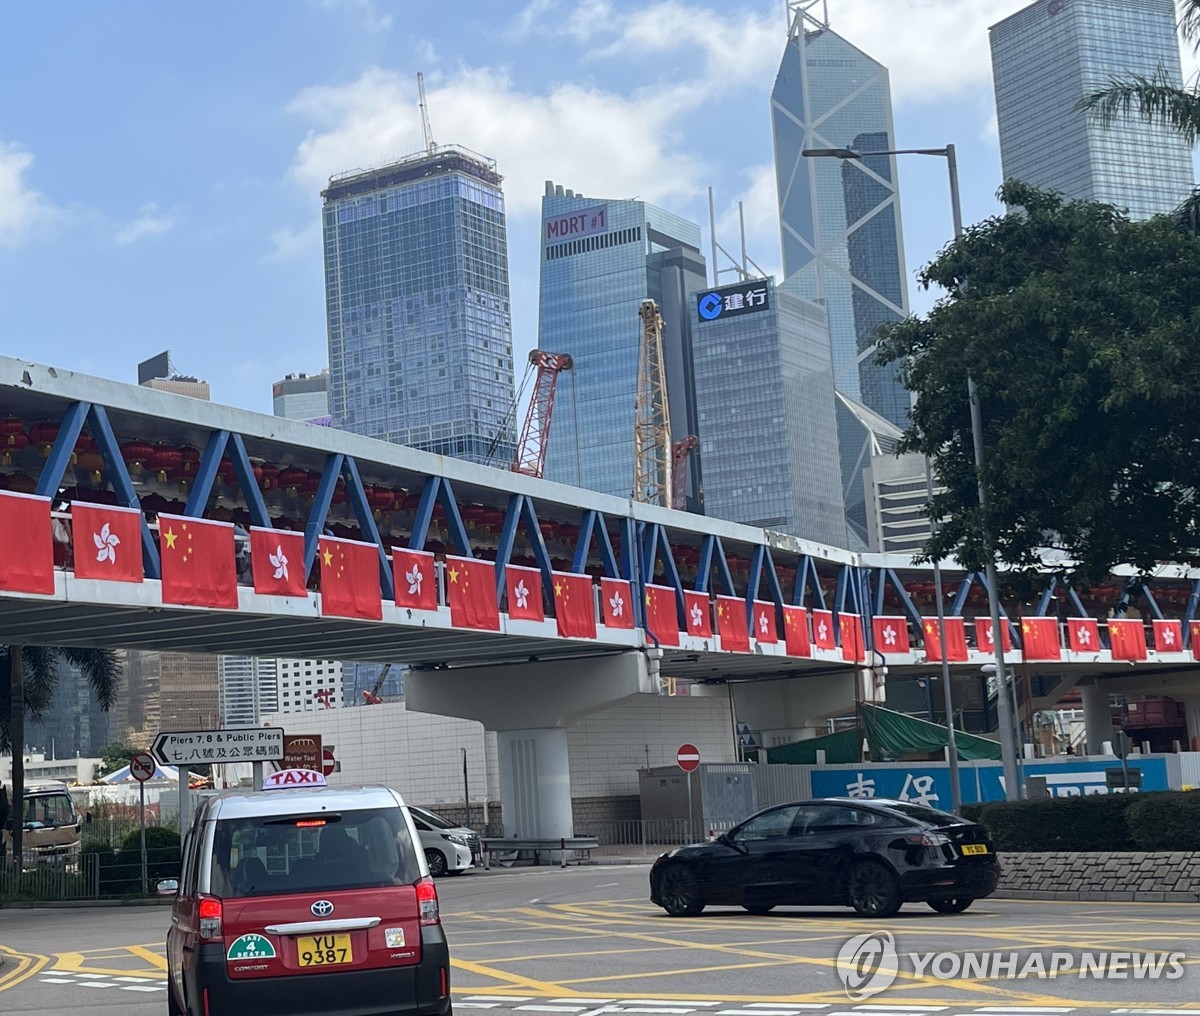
pixel 795 632
pixel 983 635
pixel 471 592
pixel 956 640
pixel 1168 636
pixel 661 618
pixel 1039 638
pixel 350 579
pixel 731 624
pixel 698 611
pixel 198 567
pixel 523 587
pixel 764 622
pixel 574 605
pixel 822 630
pixel 891 634
pixel 414 574
pixel 108 542
pixel 277 562
pixel 27 554
pixel 1127 639
pixel 850 628
pixel 1083 635
pixel 616 602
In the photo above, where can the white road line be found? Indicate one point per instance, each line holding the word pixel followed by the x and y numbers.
pixel 498 998
pixel 760 1006
pixel 581 1001
pixel 140 987
pixel 98 984
pixel 665 1010
pixel 999 1010
pixel 1157 1012
pixel 757 1012
pixel 56 980
pixel 551 1008
pixel 134 980
pixel 881 1006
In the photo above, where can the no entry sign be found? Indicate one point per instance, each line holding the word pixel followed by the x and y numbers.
pixel 688 757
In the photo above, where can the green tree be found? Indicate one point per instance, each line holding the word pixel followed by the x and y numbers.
pixel 1158 99
pixel 1079 328
pixel 27 681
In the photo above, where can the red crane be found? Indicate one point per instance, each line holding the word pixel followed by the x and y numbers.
pixel 530 455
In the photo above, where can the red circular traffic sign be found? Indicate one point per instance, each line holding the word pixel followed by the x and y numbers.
pixel 328 762
pixel 141 766
pixel 688 757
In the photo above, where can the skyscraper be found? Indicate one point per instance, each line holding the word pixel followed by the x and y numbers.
pixel 600 259
pixel 417 304
pixel 249 689
pixel 1045 58
pixel 840 223
pixel 302 397
pixel 764 392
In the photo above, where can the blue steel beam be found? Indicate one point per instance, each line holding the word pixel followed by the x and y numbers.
pixel 424 513
pixel 593 525
pixel 246 479
pixel 910 608
pixel 454 522
pixel 206 473
pixel 540 554
pixel 118 475
pixel 1043 603
pixel 50 478
pixel 315 526
pixel 508 536
pixel 366 523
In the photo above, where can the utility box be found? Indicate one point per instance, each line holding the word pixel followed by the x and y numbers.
pixel 722 794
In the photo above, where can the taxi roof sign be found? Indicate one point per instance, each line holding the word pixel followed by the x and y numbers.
pixel 286 779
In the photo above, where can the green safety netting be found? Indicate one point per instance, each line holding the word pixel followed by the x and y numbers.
pixel 890 737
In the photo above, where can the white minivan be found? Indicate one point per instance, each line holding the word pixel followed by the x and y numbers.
pixel 450 849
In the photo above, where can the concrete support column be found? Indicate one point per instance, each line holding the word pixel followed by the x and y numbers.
pixel 1097 716
pixel 535 782
pixel 1191 716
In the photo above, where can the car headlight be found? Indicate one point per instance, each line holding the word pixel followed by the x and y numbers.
pixel 454 838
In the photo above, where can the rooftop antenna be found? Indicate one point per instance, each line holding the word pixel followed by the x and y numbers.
pixel 740 268
pixel 430 144
pixel 815 12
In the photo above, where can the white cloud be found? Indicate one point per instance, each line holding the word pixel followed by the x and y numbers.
pixel 296 243
pixel 21 207
pixel 372 19
pixel 760 213
pixel 578 135
pixel 149 223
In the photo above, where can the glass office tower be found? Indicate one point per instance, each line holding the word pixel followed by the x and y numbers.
pixel 840 224
pixel 417 302
pixel 765 396
pixel 600 260
pixel 1045 58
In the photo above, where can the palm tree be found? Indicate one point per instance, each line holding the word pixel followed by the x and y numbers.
pixel 1159 100
pixel 27 680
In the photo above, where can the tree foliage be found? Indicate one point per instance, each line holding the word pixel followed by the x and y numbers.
pixel 1080 329
pixel 99 667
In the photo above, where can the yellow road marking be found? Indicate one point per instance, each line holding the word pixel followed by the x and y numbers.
pixel 26 965
pixel 542 987
pixel 88 962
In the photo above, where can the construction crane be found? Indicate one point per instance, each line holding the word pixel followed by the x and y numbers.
pixel 530 455
pixel 680 450
pixel 652 451
pixel 372 697
pixel 430 144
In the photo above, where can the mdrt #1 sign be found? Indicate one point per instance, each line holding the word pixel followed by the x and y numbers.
pixel 247 744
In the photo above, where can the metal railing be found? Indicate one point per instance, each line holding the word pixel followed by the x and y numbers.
pixel 647 836
pixel 76 880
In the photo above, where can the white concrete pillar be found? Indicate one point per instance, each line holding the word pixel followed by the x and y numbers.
pixel 535 783
pixel 1097 716
pixel 1191 716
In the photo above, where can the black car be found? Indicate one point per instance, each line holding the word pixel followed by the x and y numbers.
pixel 870 854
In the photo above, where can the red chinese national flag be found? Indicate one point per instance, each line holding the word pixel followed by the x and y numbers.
pixel 1083 635
pixel 764 622
pixel 414 574
pixel 108 542
pixel 27 564
pixel 956 640
pixel 891 634
pixel 471 591
pixel 616 598
pixel 795 632
pixel 850 626
pixel 350 579
pixel 574 605
pixel 731 624
pixel 523 588
pixel 1128 639
pixel 1039 637
pixel 661 618
pixel 198 568
pixel 1194 632
pixel 1168 636
pixel 698 611
pixel 822 629
pixel 277 562
pixel 983 635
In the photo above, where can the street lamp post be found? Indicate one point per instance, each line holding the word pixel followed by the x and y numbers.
pixel 1004 701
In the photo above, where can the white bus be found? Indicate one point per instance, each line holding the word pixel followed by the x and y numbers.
pixel 50 824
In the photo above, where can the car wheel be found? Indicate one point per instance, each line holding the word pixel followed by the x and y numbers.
pixel 679 894
pixel 873 890
pixel 955 905
pixel 758 908
pixel 437 862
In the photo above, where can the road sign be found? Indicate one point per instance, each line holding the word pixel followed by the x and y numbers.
pixel 329 764
pixel 141 767
pixel 300 751
pixel 246 744
pixel 688 757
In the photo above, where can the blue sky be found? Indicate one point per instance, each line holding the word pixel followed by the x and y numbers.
pixel 160 164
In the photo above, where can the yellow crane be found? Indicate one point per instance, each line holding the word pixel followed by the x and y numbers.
pixel 652 452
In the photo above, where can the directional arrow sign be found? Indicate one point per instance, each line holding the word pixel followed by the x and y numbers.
pixel 247 744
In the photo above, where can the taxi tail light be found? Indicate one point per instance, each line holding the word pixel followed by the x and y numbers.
pixel 927 839
pixel 427 901
pixel 444 982
pixel 210 918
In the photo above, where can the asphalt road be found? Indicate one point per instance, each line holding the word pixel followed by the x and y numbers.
pixel 585 941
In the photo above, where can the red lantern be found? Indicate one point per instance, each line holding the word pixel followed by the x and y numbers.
pixel 136 454
pixel 292 479
pixel 268 476
pixel 166 458
pixel 189 460
pixel 43 435
pixel 311 482
pixel 11 428
pixel 226 472
pixel 381 498
pixel 91 461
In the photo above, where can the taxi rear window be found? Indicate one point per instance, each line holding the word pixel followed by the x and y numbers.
pixel 271 855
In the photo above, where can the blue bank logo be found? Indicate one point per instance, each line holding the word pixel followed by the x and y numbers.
pixel 710 306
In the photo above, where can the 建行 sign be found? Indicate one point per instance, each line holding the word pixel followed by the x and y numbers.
pixel 247 744
pixel 728 301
